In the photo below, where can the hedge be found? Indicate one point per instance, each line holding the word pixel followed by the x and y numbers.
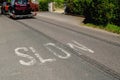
pixel 43 4
pixel 99 12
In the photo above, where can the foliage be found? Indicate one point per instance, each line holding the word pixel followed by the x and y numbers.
pixel 74 7
pixel 109 27
pixel 99 12
pixel 116 18
pixel 113 28
pixel 43 4
pixel 59 3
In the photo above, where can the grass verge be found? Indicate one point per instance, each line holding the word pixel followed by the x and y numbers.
pixel 109 27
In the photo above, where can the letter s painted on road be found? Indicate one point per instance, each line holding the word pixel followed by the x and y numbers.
pixel 32 60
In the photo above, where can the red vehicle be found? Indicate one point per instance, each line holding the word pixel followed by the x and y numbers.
pixel 18 9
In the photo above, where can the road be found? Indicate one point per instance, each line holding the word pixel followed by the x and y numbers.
pixel 47 49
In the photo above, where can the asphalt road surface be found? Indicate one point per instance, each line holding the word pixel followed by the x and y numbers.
pixel 46 49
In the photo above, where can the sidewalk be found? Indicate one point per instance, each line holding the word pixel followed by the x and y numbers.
pixel 60 16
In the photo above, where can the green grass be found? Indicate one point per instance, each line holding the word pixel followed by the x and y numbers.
pixel 109 27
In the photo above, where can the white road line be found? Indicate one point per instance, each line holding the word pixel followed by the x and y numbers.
pixel 77 46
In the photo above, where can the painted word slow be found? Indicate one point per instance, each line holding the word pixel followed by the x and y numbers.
pixel 52 48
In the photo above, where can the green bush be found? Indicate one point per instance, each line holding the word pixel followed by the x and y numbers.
pixel 99 12
pixel 74 7
pixel 59 3
pixel 116 18
pixel 43 5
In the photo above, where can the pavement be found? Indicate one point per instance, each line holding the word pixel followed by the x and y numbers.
pixel 60 16
pixel 55 46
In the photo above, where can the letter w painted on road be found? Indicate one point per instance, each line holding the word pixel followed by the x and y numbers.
pixel 77 46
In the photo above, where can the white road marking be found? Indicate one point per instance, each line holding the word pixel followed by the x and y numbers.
pixel 39 57
pixel 60 56
pixel 75 45
pixel 32 60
